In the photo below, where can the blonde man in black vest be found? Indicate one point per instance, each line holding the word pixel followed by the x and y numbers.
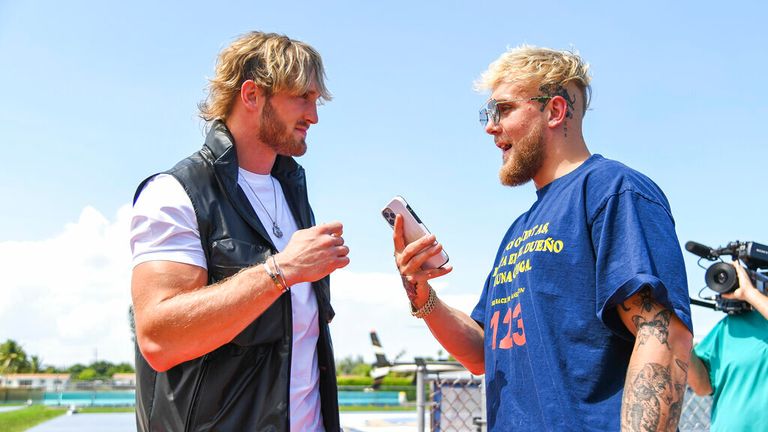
pixel 230 279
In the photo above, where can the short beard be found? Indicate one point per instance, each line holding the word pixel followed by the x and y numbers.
pixel 276 134
pixel 526 160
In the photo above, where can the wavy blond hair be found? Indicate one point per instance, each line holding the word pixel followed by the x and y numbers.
pixel 547 69
pixel 275 62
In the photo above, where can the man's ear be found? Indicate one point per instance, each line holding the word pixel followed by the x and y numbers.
pixel 558 111
pixel 251 95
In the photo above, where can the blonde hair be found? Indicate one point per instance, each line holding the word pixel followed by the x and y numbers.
pixel 545 68
pixel 273 61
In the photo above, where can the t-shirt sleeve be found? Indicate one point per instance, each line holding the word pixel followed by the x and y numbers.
pixel 164 226
pixel 636 247
pixel 478 313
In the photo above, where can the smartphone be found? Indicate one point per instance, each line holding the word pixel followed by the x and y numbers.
pixel 413 227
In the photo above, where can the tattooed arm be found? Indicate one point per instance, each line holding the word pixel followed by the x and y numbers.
pixel 655 383
pixel 456 331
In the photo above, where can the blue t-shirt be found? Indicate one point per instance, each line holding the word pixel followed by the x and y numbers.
pixel 556 352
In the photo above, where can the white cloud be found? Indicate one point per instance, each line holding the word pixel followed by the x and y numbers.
pixel 66 299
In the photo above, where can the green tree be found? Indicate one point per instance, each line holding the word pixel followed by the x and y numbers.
pixel 120 368
pixel 352 366
pixel 87 374
pixel 13 359
pixel 361 369
pixel 75 370
pixel 101 367
pixel 35 364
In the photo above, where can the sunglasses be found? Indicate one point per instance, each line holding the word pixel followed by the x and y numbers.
pixel 490 112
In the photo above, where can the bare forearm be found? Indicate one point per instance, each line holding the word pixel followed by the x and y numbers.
pixel 759 302
pixel 459 334
pixel 195 322
pixel 698 377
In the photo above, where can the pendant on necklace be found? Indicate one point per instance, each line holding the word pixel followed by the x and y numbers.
pixel 276 230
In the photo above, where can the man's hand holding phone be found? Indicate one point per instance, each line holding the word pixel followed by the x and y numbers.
pixel 410 258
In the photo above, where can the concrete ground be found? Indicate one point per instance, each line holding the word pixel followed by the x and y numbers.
pixel 120 422
pixel 125 422
pixel 11 408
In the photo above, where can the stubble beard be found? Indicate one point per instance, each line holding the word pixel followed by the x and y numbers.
pixel 525 161
pixel 276 134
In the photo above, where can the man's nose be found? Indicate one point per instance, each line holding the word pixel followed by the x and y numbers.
pixel 492 128
pixel 310 115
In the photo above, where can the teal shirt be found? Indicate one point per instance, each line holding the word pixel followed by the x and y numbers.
pixel 736 354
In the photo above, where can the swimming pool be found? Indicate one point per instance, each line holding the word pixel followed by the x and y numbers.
pixel 128 398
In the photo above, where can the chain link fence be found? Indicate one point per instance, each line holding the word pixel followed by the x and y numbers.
pixel 458 405
pixel 696 413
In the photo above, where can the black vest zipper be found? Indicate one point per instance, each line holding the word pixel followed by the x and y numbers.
pixel 195 393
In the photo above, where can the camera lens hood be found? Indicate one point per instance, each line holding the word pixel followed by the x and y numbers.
pixel 721 278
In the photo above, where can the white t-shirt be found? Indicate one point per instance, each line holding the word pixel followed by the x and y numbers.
pixel 164 228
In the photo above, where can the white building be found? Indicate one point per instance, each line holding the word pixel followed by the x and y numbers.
pixel 124 380
pixel 46 381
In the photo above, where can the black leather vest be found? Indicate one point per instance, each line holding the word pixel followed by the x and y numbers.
pixel 242 385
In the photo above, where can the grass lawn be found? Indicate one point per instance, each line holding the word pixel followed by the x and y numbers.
pixel 22 419
pixel 105 410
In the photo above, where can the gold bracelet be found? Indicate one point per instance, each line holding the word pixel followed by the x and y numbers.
pixel 274 278
pixel 428 307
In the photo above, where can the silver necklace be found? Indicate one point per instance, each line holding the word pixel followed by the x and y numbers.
pixel 275 229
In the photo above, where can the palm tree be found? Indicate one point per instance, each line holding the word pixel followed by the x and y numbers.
pixel 13 359
pixel 35 364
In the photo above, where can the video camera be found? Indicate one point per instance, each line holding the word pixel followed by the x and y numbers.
pixel 721 277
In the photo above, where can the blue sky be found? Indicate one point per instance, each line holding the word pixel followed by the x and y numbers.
pixel 96 96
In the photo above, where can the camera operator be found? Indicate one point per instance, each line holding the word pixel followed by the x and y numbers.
pixel 731 363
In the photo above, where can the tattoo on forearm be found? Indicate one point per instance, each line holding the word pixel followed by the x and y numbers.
pixel 646 394
pixel 645 301
pixel 410 288
pixel 658 327
pixel 643 397
pixel 675 410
